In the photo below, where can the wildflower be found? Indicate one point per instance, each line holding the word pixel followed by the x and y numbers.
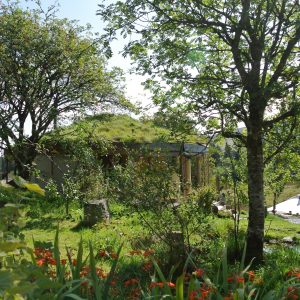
pixel 85 271
pixel 113 255
pixel 230 279
pixel 251 276
pixel 135 293
pixel 147 266
pixel 48 254
pixel 135 252
pixel 100 273
pixel 131 281
pixel 113 282
pixel 156 284
pixel 63 261
pixel 84 283
pixel 52 261
pixel 198 272
pixel 102 253
pixel 240 279
pixel 148 252
pixel 171 284
pixel 74 262
pixel 41 262
pixel 38 252
pixel 193 295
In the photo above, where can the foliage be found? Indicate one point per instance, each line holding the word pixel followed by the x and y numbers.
pixel 281 167
pixel 148 187
pixel 110 128
pixel 49 68
pixel 230 60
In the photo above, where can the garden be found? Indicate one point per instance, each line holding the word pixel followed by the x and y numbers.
pixel 102 198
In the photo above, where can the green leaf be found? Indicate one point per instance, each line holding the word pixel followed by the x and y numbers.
pixel 179 287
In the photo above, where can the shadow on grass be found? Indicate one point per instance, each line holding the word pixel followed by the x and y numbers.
pixel 48 223
pixel 79 226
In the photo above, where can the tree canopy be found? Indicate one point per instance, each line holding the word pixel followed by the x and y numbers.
pixel 230 59
pixel 48 67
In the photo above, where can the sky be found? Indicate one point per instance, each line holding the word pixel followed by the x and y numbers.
pixel 84 11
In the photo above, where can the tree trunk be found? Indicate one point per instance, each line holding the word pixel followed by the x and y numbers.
pixel 24 158
pixel 255 232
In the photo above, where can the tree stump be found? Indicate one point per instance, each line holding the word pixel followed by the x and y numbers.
pixel 177 255
pixel 95 211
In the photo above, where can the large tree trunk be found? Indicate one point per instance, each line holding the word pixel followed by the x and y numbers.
pixel 255 232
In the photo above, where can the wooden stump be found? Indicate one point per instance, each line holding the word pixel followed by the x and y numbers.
pixel 177 255
pixel 95 211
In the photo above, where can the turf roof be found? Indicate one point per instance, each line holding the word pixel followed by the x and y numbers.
pixel 117 128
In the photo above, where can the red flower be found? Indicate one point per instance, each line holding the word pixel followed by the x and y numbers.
pixel 41 262
pixel 63 261
pixel 230 279
pixel 240 279
pixel 113 255
pixel 147 266
pixel 251 276
pixel 131 281
pixel 102 253
pixel 156 284
pixel 199 272
pixel 148 252
pixel 52 261
pixel 193 295
pixel 74 262
pixel 135 252
pixel 171 284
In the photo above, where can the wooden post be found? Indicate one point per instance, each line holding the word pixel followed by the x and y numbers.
pixel 186 174
pixel 199 170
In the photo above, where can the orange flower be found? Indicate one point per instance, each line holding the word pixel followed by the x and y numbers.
pixel 148 252
pixel 113 255
pixel 240 279
pixel 147 266
pixel 171 284
pixel 251 276
pixel 74 262
pixel 135 252
pixel 48 254
pixel 84 283
pixel 198 272
pixel 156 284
pixel 52 261
pixel 131 281
pixel 41 262
pixel 100 273
pixel 102 253
pixel 230 279
pixel 63 261
pixel 113 282
pixel 193 295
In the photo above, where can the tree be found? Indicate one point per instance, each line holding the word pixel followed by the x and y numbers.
pixel 232 59
pixel 283 167
pixel 48 67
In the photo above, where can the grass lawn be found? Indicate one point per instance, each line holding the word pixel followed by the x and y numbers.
pixel 290 190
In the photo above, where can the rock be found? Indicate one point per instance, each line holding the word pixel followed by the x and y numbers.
pixel 288 240
pixel 95 211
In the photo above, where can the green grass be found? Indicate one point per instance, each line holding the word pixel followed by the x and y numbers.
pixel 290 190
pixel 115 128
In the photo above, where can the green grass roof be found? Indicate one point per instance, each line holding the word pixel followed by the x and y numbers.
pixel 117 128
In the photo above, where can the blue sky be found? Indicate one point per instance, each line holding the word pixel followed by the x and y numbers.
pixel 84 11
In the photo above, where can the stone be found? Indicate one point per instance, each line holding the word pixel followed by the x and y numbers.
pixel 95 211
pixel 288 240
